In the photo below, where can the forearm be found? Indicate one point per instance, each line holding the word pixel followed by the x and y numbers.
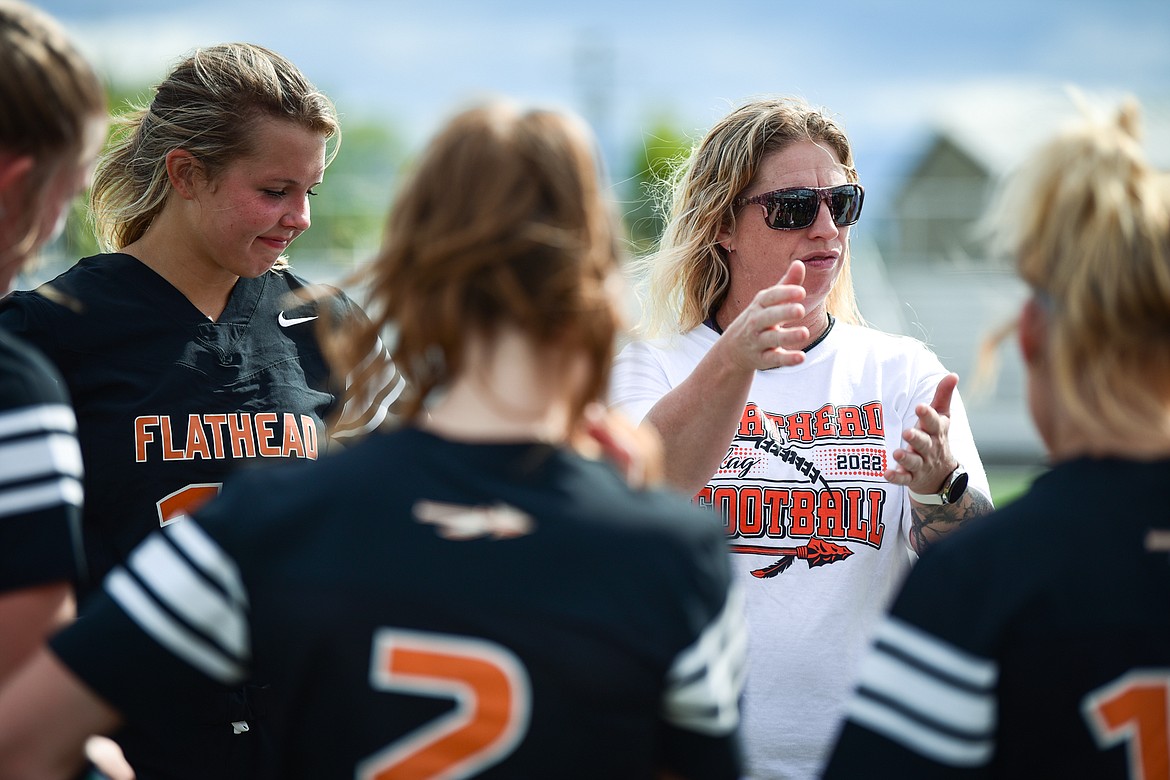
pixel 697 420
pixel 931 522
pixel 29 616
pixel 46 716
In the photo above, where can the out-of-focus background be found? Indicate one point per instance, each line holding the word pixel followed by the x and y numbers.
pixel 940 100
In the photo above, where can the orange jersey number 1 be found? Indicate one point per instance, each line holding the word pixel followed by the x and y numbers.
pixel 1134 709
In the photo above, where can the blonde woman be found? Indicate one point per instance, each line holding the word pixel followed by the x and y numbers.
pixel 1038 643
pixel 832 451
pixel 52 123
pixel 185 349
pixel 467 596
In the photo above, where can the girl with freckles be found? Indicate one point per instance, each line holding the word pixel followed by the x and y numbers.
pixel 189 348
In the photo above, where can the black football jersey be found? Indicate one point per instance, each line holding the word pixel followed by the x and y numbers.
pixel 40 473
pixel 168 402
pixel 431 608
pixel 1035 643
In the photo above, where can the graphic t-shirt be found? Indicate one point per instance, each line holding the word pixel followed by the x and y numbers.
pixel 819 538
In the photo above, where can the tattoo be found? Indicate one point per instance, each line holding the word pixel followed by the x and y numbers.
pixel 929 523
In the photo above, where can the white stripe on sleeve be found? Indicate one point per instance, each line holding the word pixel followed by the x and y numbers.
pixel 706 679
pixel 23 499
pixel 928 695
pixel 189 596
pixel 42 460
pixel 44 417
pixel 171 634
pixel 203 624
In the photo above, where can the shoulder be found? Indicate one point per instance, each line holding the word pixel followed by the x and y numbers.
pixel 870 346
pixel 973 582
pixel 279 498
pixel 82 286
pixel 26 376
pixel 681 346
pixel 290 287
pixel 872 338
pixel 644 519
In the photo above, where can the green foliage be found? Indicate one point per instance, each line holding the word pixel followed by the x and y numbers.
pixel 351 205
pixel 663 146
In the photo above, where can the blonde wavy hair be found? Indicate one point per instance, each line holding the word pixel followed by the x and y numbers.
pixel 1088 220
pixel 50 97
pixel 687 278
pixel 503 223
pixel 208 105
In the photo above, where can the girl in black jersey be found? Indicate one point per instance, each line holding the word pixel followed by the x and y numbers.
pixel 187 349
pixel 1038 643
pixel 467 596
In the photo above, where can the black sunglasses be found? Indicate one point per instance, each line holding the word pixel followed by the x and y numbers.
pixel 796 207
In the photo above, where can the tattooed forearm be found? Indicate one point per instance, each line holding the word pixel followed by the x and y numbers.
pixel 931 523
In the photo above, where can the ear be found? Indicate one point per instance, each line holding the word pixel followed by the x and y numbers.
pixel 724 239
pixel 184 171
pixel 14 172
pixel 1033 331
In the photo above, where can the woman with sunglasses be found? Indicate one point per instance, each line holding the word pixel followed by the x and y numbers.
pixel 1037 644
pixel 831 450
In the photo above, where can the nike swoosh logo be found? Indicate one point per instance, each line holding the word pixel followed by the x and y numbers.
pixel 286 322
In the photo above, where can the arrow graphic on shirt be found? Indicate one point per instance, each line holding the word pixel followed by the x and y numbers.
pixel 817 552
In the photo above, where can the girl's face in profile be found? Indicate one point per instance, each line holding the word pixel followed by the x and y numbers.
pixel 250 213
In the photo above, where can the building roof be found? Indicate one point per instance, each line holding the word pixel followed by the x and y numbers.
pixel 1000 125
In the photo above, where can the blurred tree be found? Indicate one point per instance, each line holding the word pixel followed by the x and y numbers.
pixel 662 148
pixel 351 205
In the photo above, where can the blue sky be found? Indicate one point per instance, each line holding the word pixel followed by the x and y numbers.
pixel 887 68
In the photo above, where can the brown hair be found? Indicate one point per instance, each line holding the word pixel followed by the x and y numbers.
pixel 49 97
pixel 208 105
pixel 687 278
pixel 503 223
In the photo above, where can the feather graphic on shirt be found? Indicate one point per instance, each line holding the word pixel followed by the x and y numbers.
pixel 462 522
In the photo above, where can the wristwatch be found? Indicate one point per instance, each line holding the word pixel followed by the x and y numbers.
pixel 953 488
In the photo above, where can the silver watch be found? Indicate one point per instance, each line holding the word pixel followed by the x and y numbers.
pixel 953 488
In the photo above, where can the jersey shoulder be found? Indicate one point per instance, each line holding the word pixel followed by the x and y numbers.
pixel 26 377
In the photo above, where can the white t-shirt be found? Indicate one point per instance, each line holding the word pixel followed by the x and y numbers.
pixel 819 539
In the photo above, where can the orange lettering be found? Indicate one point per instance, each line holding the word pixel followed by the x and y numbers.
pixel 804 515
pixel 831 514
pixel 292 438
pixel 310 436
pixel 826 421
pixel 776 499
pixel 849 418
pixel 216 422
pixel 143 437
pixel 264 422
pixel 240 431
pixel 196 441
pixel 749 423
pixel 873 418
pixel 169 452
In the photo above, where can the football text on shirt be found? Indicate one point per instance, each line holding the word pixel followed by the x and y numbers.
pixel 238 435
pixel 774 484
